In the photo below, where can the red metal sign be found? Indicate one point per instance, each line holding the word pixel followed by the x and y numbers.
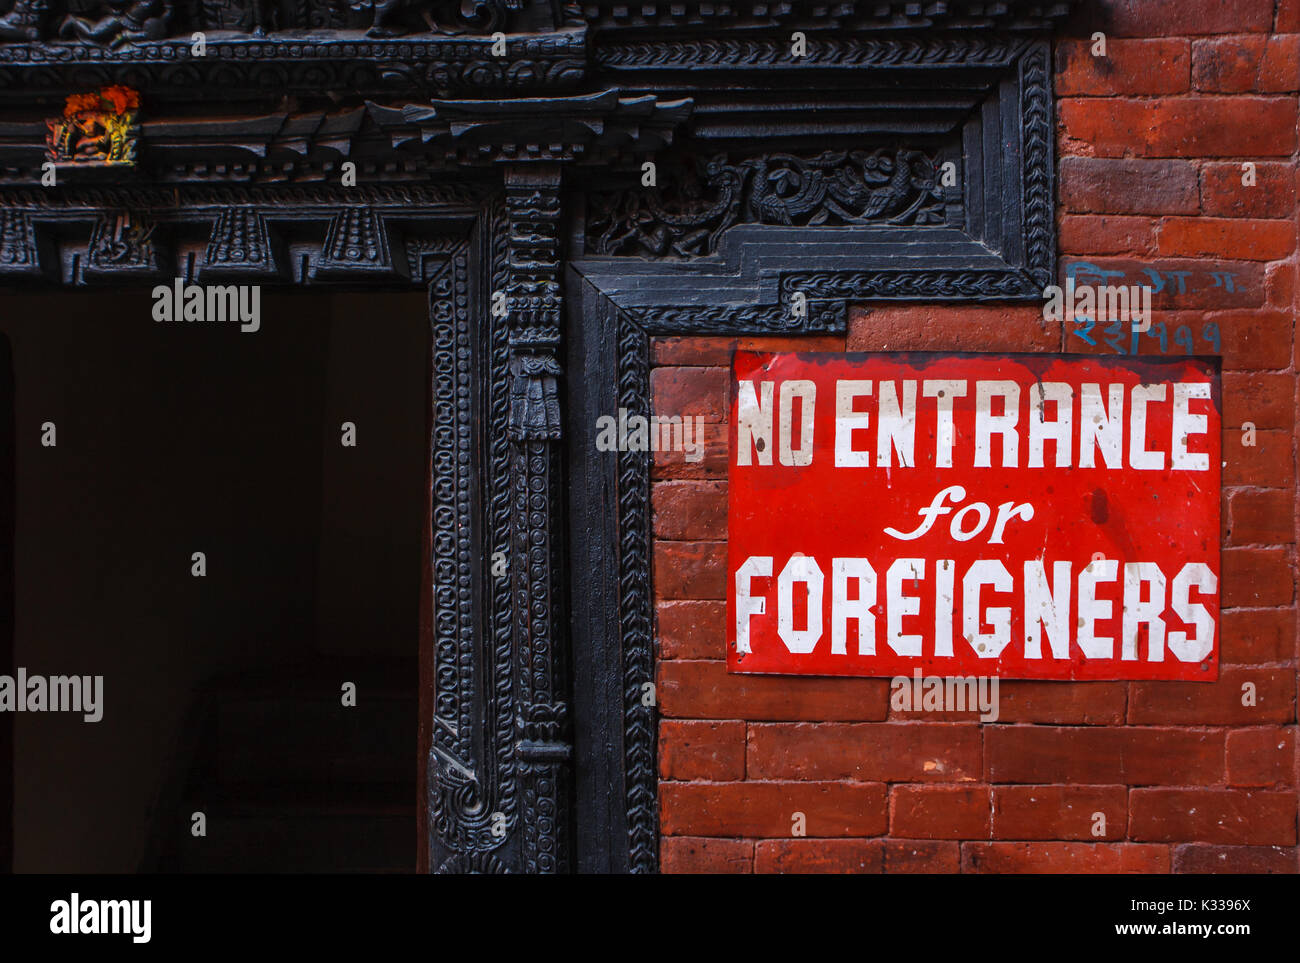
pixel 1022 516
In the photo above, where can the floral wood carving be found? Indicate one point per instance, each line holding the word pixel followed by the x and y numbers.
pixel 685 217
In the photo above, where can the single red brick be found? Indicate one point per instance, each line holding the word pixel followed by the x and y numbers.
pixel 1241 817
pixel 1258 339
pixel 1271 196
pixel 1059 812
pixel 690 570
pixel 706 690
pixel 1239 238
pixel 702 750
pixel 1052 857
pixel 1102 755
pixel 1227 65
pixel 1288 16
pixel 1158 18
pixel 1256 577
pixel 691 391
pixel 1183 126
pixel 689 510
pixel 771 809
pixel 691 629
pixel 939 812
pixel 695 854
pixel 1260 458
pixel 1262 517
pixel 717 351
pixel 1107 234
pixel 1261 757
pixel 1202 858
pixel 922 856
pixel 1216 703
pixel 1279 283
pixel 874 752
pixel 819 856
pixel 1129 67
pixel 1265 400
pixel 707 461
pixel 1252 636
pixel 1128 186
pixel 1063 703
pixel 1279 70
pixel 947 327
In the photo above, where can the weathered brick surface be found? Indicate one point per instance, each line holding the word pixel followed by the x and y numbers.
pixel 940 812
pixel 1128 186
pixel 1256 517
pixel 1225 193
pixel 1159 66
pixel 1218 703
pixel 1060 812
pixel 705 690
pixel 819 856
pixel 689 510
pixel 1257 576
pixel 1264 400
pixel 713 751
pixel 773 809
pixel 1250 238
pixel 690 570
pixel 1127 755
pixel 872 752
pixel 691 629
pixel 1243 64
pixel 1263 757
pixel 1238 817
pixel 905 327
pixel 1108 234
pixel 1182 126
pixel 695 854
pixel 1255 636
pixel 1201 858
pixel 922 856
pixel 1190 777
pixel 1064 857
pixel 1161 18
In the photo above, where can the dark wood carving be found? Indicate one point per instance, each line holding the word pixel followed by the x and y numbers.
pixel 493 153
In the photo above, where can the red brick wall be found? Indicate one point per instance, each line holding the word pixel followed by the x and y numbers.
pixel 1151 141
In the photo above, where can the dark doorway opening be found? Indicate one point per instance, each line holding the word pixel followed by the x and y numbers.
pixel 223 692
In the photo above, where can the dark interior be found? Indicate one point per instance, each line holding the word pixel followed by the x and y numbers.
pixel 223 694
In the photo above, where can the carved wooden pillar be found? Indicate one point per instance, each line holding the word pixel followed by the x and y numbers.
pixel 543 747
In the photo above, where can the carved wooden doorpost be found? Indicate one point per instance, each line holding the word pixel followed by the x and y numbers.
pixel 536 488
